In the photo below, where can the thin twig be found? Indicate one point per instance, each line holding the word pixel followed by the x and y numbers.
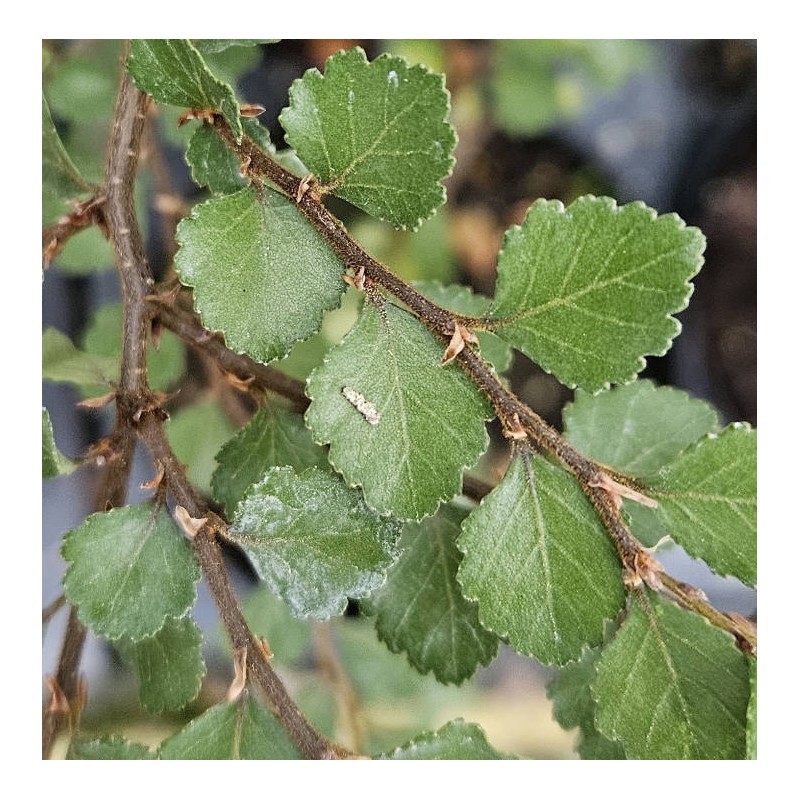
pixel 136 402
pixel 311 743
pixel 186 325
pixel 51 609
pixel 518 420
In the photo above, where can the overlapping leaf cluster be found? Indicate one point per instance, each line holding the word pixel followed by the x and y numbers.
pixel 361 502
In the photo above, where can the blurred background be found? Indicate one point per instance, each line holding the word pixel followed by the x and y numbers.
pixel 672 123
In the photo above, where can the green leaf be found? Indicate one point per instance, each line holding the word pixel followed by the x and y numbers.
pixel 462 300
pixel 173 72
pixel 240 252
pixel 218 45
pixel 274 437
pixel 457 740
pixel 574 707
pixel 103 338
pixel 53 462
pixel 59 175
pixel 313 540
pixel 420 608
pixel 429 425
pixel 750 736
pixel 169 665
pixel 62 362
pixel 111 748
pixel 707 500
pixel 375 134
pixel 196 434
pixel 587 291
pixel 539 563
pixel 646 523
pixel 237 731
pixel 212 162
pixel 671 686
pixel 637 428
pixel 130 571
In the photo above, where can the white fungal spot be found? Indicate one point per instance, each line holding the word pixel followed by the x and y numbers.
pixel 369 411
pixel 393 79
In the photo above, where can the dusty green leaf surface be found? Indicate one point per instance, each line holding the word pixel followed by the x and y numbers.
pixel 587 291
pixel 457 740
pixel 539 563
pixel 130 570
pixel 399 424
pixel 173 72
pixel 243 730
pixel 374 133
pixel 59 175
pixel 111 748
pixel 421 611
pixel 274 437
pixel 707 500
pixel 637 428
pixel 62 362
pixel 313 540
pixel 671 686
pixel 168 665
pixel 54 463
pixel 212 162
pixel 242 251
pixel 574 707
pixel 463 300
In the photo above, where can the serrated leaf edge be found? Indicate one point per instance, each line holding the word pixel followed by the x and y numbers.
pixel 117 637
pixel 314 74
pixel 684 397
pixel 320 311
pixel 392 552
pixel 612 204
pixel 703 440
pixel 504 634
pixel 334 465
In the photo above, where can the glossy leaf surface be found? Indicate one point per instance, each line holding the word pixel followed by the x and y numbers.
pixel 421 610
pixel 243 730
pixel 168 665
pixel 707 500
pixel 274 437
pixel 173 72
